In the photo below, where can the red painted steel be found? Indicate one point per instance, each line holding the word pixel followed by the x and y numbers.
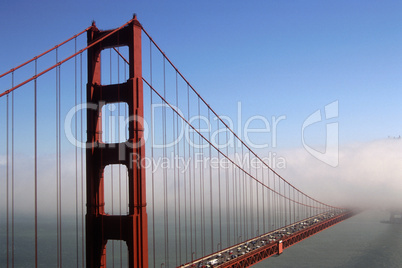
pixel 100 227
pixel 280 247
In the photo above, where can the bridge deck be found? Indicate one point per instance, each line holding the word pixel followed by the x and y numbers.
pixel 273 243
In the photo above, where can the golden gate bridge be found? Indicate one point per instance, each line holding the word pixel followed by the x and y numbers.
pixel 159 180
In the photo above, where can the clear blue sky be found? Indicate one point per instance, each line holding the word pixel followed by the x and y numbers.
pixel 276 57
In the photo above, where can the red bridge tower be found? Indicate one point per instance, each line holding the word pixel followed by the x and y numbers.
pixel 100 227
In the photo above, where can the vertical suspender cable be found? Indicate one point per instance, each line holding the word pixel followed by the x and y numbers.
pixel 189 178
pixel 290 206
pixel 236 193
pixel 219 190
pixel 244 200
pixel 232 196
pixel 284 202
pixel 240 193
pixel 279 203
pixel 60 186
pixel 297 204
pixel 201 184
pixel 263 200
pixel 175 154
pixel 305 207
pixel 251 215
pixel 185 201
pixel 166 208
pixel 36 163
pixel 288 209
pixel 57 162
pixel 59 159
pixel 210 183
pixel 280 198
pixel 177 167
pixel 269 203
pixel 194 208
pixel 196 234
pixel 82 171
pixel 76 152
pixel 203 172
pixel 231 189
pixel 311 207
pixel 12 174
pixel 152 156
pixel 274 197
pixel 258 203
pixel 7 180
pixel 226 172
pixel 256 209
pixel 294 205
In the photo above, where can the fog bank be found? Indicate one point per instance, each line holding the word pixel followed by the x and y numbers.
pixel 368 174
